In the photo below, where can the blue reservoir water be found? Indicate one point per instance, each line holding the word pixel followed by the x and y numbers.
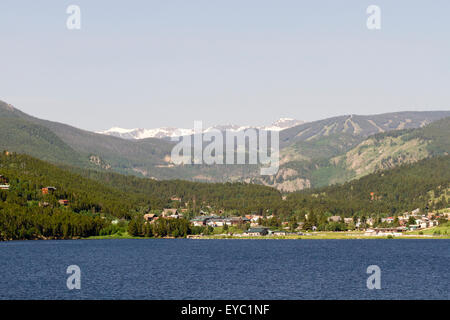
pixel 225 269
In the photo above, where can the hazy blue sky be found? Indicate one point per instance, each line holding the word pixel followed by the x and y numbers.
pixel 168 63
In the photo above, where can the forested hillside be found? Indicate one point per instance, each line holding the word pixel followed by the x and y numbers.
pixel 314 154
pixel 95 198
pixel 358 125
pixel 394 191
pixel 387 150
pixel 331 159
pixel 26 137
pixel 93 149
pixel 85 202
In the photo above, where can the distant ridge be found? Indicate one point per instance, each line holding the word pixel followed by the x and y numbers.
pixel 358 125
pixel 312 154
pixel 170 132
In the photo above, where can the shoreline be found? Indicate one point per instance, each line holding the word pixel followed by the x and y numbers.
pixel 312 236
pixel 307 236
pixel 244 238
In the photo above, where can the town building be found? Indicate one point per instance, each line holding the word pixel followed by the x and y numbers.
pixel 198 222
pixel 348 220
pixel 279 233
pixel 397 231
pixel 256 232
pixel 149 216
pixel 334 218
pixel 169 212
pixel 216 222
pixel 48 190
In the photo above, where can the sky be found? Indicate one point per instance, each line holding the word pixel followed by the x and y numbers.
pixel 146 64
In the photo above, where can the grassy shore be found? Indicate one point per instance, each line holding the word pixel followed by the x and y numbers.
pixel 329 236
pixel 427 234
pixel 124 235
pixel 443 230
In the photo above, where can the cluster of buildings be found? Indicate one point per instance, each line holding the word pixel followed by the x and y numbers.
pixel 50 190
pixel 420 221
pixel 395 231
pixel 253 221
pixel 423 221
pixel 167 214
pixel 261 231
pixel 217 221
pixel 220 221
pixel 4 185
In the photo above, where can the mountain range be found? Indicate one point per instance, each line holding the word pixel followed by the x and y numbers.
pixel 312 154
pixel 170 132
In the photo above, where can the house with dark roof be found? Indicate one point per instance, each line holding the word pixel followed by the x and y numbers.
pixel 279 233
pixel 198 222
pixel 256 232
pixel 149 216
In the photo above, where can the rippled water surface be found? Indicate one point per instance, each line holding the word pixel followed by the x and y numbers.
pixel 225 269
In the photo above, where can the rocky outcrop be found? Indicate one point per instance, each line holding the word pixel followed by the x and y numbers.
pixel 99 162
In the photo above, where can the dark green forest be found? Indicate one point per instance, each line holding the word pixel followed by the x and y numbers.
pixel 395 191
pixel 95 198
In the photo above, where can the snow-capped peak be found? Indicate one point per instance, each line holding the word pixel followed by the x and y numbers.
pixel 118 130
pixel 283 123
pixel 169 132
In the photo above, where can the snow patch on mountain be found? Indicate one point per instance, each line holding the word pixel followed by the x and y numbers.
pixel 169 132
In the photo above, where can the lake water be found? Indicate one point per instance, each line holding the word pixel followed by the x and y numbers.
pixel 225 269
